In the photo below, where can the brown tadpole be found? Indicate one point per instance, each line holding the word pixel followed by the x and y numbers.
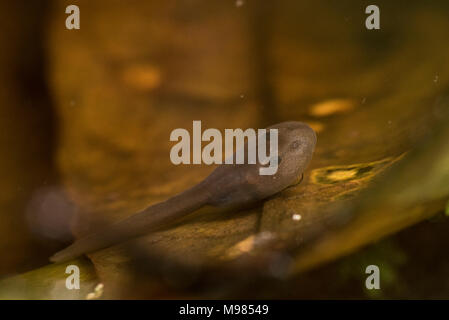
pixel 228 185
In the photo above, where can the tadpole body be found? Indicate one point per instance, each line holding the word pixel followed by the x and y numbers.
pixel 228 185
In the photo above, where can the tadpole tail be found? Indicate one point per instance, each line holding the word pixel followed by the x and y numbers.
pixel 141 223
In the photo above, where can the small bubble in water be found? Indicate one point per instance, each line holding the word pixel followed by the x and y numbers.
pixel 296 217
pixel 239 3
pixel 242 96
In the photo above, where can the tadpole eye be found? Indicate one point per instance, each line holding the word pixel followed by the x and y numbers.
pixel 294 145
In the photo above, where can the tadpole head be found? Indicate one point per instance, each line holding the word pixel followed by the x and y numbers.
pixel 238 184
pixel 295 149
